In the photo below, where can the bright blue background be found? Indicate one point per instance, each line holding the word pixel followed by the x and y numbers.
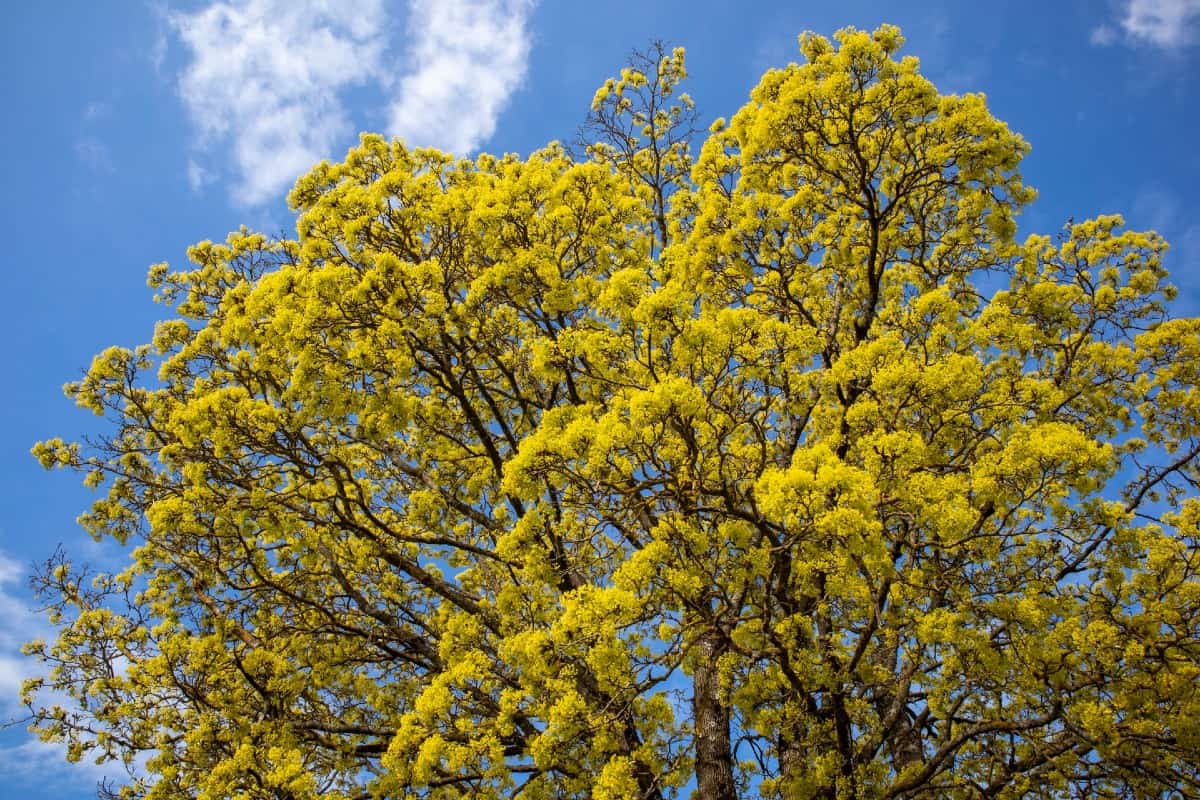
pixel 95 142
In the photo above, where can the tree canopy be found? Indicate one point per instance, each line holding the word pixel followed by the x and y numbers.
pixel 761 462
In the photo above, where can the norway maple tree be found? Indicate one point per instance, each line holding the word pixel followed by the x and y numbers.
pixel 783 471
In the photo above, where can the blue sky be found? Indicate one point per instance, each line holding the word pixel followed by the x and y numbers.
pixel 134 129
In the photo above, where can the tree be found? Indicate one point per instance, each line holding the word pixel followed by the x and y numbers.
pixel 787 473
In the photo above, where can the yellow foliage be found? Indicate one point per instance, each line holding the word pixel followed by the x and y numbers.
pixel 590 476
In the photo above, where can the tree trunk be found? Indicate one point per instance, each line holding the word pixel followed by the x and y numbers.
pixel 791 761
pixel 714 752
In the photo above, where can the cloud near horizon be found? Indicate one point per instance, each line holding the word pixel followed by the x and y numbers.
pixel 31 762
pixel 18 623
pixel 266 77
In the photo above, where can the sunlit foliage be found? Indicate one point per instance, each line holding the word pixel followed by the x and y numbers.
pixel 768 465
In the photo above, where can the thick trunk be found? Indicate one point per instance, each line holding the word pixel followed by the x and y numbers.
pixel 714 751
pixel 901 739
pixel 791 762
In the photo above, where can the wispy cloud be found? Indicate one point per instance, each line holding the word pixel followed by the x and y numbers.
pixel 43 767
pixel 33 763
pixel 94 153
pixel 267 78
pixel 1103 35
pixel 198 176
pixel 156 53
pixel 1156 207
pixel 1168 24
pixel 89 147
pixel 18 624
pixel 467 56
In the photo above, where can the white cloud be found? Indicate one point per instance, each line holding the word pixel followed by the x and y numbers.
pixel 267 77
pixel 94 153
pixel 1168 24
pixel 43 766
pixel 198 176
pixel 468 57
pixel 32 762
pixel 156 53
pixel 1155 207
pixel 1162 210
pixel 1103 35
pixel 10 571
pixel 19 623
